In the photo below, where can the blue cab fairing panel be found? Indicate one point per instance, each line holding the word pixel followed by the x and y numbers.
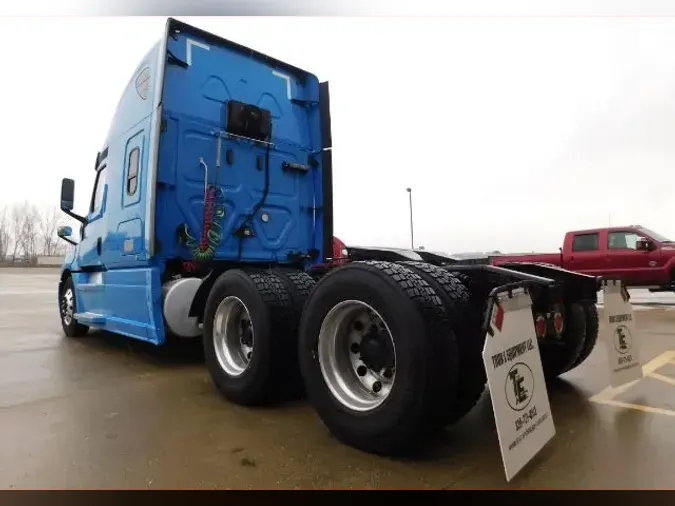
pixel 149 190
pixel 202 76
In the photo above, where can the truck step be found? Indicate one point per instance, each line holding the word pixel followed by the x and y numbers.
pixel 662 289
pixel 90 318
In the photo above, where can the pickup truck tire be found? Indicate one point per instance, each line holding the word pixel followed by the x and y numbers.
pixel 559 355
pixel 592 331
pixel 470 339
pixel 246 337
pixel 67 308
pixel 410 325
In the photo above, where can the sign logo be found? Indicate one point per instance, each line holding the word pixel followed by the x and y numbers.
pixel 519 386
pixel 622 339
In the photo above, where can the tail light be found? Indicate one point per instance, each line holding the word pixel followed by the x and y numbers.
pixel 340 252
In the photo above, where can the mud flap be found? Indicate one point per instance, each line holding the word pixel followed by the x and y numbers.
pixel 623 354
pixel 516 379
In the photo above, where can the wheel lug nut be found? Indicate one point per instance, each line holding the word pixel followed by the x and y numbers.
pixel 361 370
pixel 387 373
pixel 377 386
pixel 355 347
pixel 358 326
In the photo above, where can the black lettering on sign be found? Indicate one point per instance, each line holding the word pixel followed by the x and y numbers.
pixel 503 357
pixel 625 360
pixel 618 318
pixel 499 359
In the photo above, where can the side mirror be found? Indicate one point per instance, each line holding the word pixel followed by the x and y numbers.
pixel 64 231
pixel 67 195
pixel 643 244
pixel 68 202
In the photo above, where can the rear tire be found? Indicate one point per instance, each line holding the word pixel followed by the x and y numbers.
pixel 411 326
pixel 246 336
pixel 470 339
pixel 67 310
pixel 592 331
pixel 558 355
pixel 299 285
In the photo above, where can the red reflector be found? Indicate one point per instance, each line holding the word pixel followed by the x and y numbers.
pixel 499 318
pixel 541 326
pixel 558 323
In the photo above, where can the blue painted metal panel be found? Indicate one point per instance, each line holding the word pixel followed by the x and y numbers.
pixel 124 301
pixel 195 102
pixel 134 303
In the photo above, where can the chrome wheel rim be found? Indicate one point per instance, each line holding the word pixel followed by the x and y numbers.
pixel 233 336
pixel 357 355
pixel 67 306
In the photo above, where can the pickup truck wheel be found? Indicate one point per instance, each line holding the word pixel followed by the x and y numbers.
pixel 67 310
pixel 373 336
pixel 558 354
pixel 246 339
pixel 470 338
pixel 592 330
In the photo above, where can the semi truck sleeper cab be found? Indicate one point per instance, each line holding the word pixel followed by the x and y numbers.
pixel 211 218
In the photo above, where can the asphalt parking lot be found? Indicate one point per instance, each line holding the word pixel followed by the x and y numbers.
pixel 105 412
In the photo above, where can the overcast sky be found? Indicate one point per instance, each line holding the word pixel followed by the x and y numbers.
pixel 510 131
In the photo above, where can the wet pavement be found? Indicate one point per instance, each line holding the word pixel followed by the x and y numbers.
pixel 640 296
pixel 106 412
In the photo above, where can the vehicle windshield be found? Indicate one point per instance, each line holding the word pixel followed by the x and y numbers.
pixel 654 235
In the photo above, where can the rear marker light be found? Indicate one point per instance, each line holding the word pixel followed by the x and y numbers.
pixel 499 318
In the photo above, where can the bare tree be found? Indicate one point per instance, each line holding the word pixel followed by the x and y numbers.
pixel 5 233
pixel 16 225
pixel 30 230
pixel 25 230
pixel 61 248
pixel 48 222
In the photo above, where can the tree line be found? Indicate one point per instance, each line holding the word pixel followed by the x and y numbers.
pixel 28 230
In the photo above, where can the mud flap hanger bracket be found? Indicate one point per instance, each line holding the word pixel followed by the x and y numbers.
pixel 493 298
pixel 603 282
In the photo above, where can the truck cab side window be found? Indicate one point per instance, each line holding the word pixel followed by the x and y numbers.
pixel 622 240
pixel 132 171
pixel 585 242
pixel 97 196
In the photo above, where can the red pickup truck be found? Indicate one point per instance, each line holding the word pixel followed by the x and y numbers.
pixel 634 254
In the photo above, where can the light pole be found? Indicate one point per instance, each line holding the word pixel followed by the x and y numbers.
pixel 412 236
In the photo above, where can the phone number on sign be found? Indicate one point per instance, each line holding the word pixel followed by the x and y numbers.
pixel 625 360
pixel 526 418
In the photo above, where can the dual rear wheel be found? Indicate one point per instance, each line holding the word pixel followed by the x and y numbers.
pixel 379 347
pixel 567 342
pixel 387 353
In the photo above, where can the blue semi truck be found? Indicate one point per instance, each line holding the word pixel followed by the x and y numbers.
pixel 211 218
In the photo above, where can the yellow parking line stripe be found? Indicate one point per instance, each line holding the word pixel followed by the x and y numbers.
pixel 661 377
pixel 638 407
pixel 610 393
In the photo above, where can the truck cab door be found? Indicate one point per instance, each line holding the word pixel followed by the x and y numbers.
pixel 89 282
pixel 93 232
pixel 625 261
pixel 584 254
